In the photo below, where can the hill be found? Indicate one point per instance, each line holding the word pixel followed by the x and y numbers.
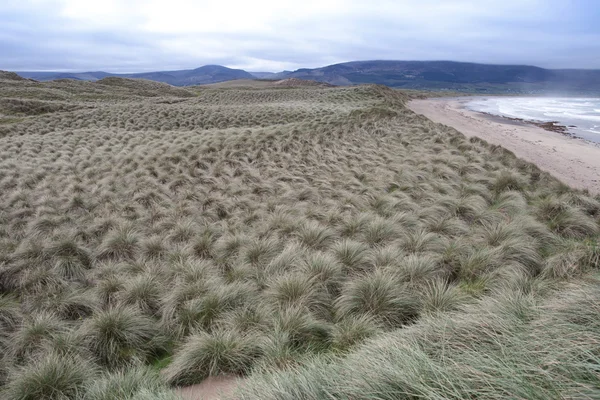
pixel 422 75
pixel 49 76
pixel 198 76
pixel 10 76
pixel 455 76
pixel 266 83
pixel 144 86
pixel 264 75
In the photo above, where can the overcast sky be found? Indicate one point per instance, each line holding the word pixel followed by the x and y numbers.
pixel 273 35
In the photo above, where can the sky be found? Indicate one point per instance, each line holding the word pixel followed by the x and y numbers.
pixel 276 35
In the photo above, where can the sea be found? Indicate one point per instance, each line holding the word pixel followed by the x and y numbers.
pixel 580 115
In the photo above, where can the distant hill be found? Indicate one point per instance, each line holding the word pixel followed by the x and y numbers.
pixel 50 76
pixel 10 76
pixel 198 76
pixel 263 75
pixel 426 75
pixel 454 76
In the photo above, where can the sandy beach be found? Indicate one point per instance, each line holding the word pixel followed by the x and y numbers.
pixel 573 161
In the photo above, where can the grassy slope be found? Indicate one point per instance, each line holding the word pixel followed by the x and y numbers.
pixel 513 344
pixel 211 230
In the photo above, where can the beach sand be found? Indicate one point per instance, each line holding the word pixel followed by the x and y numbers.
pixel 573 161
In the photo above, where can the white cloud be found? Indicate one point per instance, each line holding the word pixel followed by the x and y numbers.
pixel 276 34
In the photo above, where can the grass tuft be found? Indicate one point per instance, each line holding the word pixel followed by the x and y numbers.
pixel 125 385
pixel 298 291
pixel 440 296
pixel 354 330
pixel 314 236
pixel 32 336
pixel 204 355
pixel 565 219
pixel 573 258
pixel 381 296
pixel 121 336
pixel 143 292
pixel 119 245
pixel 354 256
pixel 54 377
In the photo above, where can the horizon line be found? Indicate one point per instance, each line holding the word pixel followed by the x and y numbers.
pixel 108 71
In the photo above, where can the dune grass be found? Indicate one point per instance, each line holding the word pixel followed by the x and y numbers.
pixel 289 234
pixel 512 345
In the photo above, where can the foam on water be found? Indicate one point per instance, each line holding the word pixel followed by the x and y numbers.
pixel 581 115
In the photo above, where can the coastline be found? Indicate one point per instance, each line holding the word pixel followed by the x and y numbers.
pixel 573 160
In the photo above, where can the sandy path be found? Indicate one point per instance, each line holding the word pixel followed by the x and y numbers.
pixel 213 388
pixel 573 161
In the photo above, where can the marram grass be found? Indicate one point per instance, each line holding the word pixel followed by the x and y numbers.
pixel 232 230
pixel 509 346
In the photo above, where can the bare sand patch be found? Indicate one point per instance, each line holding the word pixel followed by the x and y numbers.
pixel 573 161
pixel 212 388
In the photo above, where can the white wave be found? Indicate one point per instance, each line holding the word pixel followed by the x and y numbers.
pixel 583 113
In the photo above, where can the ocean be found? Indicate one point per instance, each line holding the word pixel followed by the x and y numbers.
pixel 581 115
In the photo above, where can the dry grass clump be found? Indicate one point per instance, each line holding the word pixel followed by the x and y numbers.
pixel 353 255
pixel 53 377
pixel 204 355
pixel 575 258
pixel 34 334
pixel 354 330
pixel 380 295
pixel 10 315
pixel 121 336
pixel 227 230
pixel 137 383
pixel 509 345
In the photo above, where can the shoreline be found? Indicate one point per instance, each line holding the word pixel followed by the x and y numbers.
pixel 573 160
pixel 552 126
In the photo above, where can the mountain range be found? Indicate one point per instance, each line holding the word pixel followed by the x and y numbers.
pixel 187 77
pixel 436 75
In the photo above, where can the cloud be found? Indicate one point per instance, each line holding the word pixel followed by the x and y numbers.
pixel 142 35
